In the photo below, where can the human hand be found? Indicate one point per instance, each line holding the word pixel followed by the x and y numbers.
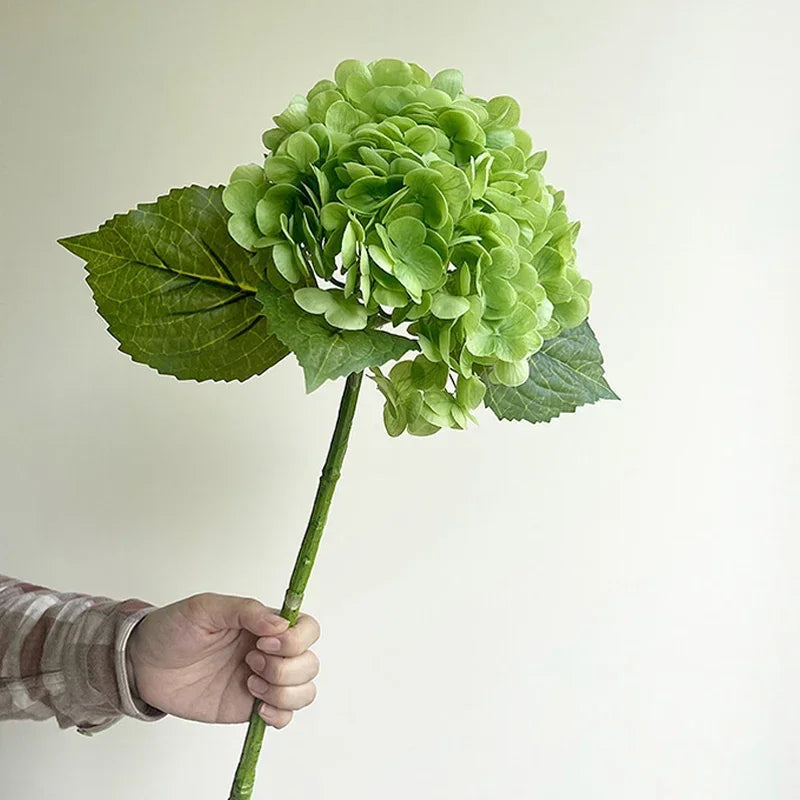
pixel 205 658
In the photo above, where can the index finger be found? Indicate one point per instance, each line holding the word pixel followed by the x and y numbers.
pixel 294 640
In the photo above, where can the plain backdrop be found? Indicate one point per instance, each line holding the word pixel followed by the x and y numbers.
pixel 602 607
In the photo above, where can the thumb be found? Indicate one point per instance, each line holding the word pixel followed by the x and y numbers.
pixel 227 612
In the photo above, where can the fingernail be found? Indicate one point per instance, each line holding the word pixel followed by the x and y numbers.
pixel 268 713
pixel 257 686
pixel 256 661
pixel 273 645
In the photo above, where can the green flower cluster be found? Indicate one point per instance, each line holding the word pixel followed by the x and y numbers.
pixel 391 196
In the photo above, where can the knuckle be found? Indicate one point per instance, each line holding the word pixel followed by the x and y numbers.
pixel 252 683
pixel 199 599
pixel 251 605
pixel 276 667
pixel 280 697
pixel 292 646
pixel 315 665
pixel 197 604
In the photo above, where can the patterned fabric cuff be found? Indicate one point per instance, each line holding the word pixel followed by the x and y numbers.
pixel 108 693
pixel 132 704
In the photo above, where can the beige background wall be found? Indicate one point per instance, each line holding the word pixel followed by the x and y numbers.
pixel 603 608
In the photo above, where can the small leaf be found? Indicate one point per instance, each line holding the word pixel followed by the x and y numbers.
pixel 390 298
pixel 453 182
pixel 339 310
pixel 350 67
pixel 498 138
pixel 391 72
pixel 510 373
pixel 470 392
pixel 313 300
pixel 272 138
pixel 277 202
pixel 448 306
pixel 281 169
pixel 366 195
pixel 421 139
pixel 241 196
pixel 248 172
pixel 503 112
pixel 322 351
pixel 407 233
pixel 283 255
pixel 334 215
pixel 435 98
pixel 244 231
pixel 458 125
pixel 565 373
pixel 294 118
pixel 537 160
pixel 450 81
pixel 319 104
pixel 303 150
pixel 341 117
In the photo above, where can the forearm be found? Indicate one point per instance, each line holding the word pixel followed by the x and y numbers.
pixel 64 655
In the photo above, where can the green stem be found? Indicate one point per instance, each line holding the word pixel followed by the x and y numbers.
pixel 244 779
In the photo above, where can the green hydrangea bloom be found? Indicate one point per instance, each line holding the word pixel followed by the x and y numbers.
pixel 390 196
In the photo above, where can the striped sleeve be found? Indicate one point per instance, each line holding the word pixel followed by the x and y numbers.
pixel 63 655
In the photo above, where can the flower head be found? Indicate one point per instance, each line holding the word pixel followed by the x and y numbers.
pixel 390 196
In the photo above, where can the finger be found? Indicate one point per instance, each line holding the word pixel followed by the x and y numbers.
pixel 275 717
pixel 226 612
pixel 294 640
pixel 280 671
pixel 289 698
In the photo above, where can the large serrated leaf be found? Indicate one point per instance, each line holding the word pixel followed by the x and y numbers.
pixel 566 372
pixel 176 291
pixel 325 352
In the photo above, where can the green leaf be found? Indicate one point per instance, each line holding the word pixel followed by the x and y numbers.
pixel 284 257
pixel 448 80
pixel 303 150
pixel 453 182
pixel 391 72
pixel 319 104
pixel 565 373
pixel 348 68
pixel 241 196
pixel 421 138
pixel 503 112
pixel 366 195
pixel 416 265
pixel 281 169
pixel 537 160
pixel 333 216
pixel 295 117
pixel 273 137
pixel 448 306
pixel 470 392
pixel 340 311
pixel 341 117
pixel 176 291
pixel 458 125
pixel 323 352
pixel 277 200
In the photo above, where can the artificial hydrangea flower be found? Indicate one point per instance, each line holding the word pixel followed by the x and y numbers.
pixel 388 196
